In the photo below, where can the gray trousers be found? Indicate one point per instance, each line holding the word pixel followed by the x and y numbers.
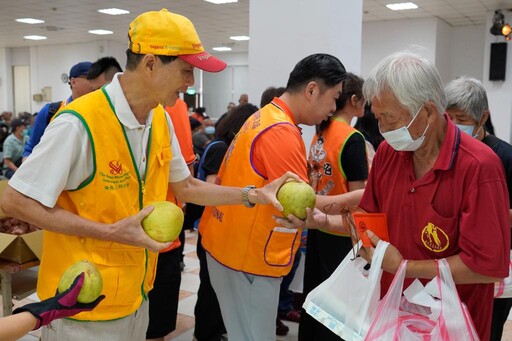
pixel 248 303
pixel 130 328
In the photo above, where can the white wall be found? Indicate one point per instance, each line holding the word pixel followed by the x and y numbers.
pixel 45 72
pixel 382 38
pixel 467 46
pixel 443 42
pixel 5 89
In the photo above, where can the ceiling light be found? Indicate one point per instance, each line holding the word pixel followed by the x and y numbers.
pixel 218 2
pixel 239 38
pixel 100 32
pixel 402 6
pixel 113 11
pixel 222 48
pixel 506 30
pixel 35 37
pixel 30 21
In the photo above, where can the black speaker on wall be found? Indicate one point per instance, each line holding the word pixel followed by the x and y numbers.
pixel 498 65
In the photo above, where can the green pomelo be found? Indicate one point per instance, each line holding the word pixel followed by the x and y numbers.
pixel 164 223
pixel 93 282
pixel 295 198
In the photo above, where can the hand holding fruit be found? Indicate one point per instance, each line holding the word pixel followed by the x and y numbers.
pixel 315 219
pixel 296 197
pixel 268 193
pixel 62 305
pixel 164 223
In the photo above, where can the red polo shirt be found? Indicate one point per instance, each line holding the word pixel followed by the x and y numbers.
pixel 460 206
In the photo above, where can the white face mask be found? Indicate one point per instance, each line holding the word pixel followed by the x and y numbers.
pixel 400 139
pixel 468 129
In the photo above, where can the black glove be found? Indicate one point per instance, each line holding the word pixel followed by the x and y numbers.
pixel 62 305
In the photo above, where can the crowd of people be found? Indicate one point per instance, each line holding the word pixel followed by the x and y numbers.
pixel 420 152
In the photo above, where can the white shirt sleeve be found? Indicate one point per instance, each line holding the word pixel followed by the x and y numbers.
pixel 61 161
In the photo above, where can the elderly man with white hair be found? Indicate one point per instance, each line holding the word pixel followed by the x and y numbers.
pixel 468 108
pixel 429 176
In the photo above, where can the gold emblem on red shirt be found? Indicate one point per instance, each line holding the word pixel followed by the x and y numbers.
pixel 434 238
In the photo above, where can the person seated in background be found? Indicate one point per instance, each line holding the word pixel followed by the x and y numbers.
pixel 199 114
pixel 13 147
pixel 6 118
pixel 208 128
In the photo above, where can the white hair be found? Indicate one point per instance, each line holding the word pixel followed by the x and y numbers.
pixel 467 94
pixel 413 80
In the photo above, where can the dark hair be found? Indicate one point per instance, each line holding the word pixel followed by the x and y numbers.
pixel 352 85
pixel 133 59
pixel 107 65
pixel 229 127
pixel 268 95
pixel 327 70
pixel 368 125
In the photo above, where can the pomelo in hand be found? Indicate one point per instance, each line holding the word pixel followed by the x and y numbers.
pixel 93 282
pixel 296 197
pixel 164 223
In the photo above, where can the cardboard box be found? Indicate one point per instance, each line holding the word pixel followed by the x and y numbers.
pixel 20 248
pixel 23 248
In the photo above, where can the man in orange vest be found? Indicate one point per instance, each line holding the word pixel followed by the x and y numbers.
pixel 247 253
pixel 103 159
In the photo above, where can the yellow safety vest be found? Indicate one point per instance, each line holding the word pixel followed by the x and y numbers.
pixel 114 191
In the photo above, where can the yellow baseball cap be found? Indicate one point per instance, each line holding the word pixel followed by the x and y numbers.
pixel 170 34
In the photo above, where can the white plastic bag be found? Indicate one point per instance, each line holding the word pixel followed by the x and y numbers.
pixel 397 319
pixel 347 300
pixel 503 288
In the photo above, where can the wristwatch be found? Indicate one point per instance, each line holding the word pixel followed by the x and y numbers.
pixel 245 196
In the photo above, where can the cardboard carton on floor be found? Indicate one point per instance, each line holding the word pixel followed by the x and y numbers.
pixel 19 248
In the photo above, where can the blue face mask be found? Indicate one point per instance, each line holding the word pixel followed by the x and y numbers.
pixel 401 140
pixel 210 130
pixel 468 129
pixel 25 132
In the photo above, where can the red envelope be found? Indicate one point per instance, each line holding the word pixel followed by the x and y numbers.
pixel 376 222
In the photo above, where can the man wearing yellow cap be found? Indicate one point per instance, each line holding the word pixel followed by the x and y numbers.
pixel 104 158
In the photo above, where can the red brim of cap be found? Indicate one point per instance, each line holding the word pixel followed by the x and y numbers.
pixel 204 61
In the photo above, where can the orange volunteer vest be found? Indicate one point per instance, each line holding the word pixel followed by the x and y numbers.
pixel 247 239
pixel 327 176
pixel 114 191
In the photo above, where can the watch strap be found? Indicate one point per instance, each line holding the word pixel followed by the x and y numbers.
pixel 245 196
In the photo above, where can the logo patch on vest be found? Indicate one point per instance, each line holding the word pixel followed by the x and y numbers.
pixel 434 238
pixel 116 177
pixel 116 167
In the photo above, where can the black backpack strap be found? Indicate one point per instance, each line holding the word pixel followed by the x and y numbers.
pixel 54 107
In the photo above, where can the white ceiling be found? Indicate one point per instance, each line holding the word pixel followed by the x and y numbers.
pixel 68 21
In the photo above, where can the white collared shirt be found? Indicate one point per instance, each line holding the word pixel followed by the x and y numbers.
pixel 63 158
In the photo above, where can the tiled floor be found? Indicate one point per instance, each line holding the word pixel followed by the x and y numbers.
pixel 188 295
